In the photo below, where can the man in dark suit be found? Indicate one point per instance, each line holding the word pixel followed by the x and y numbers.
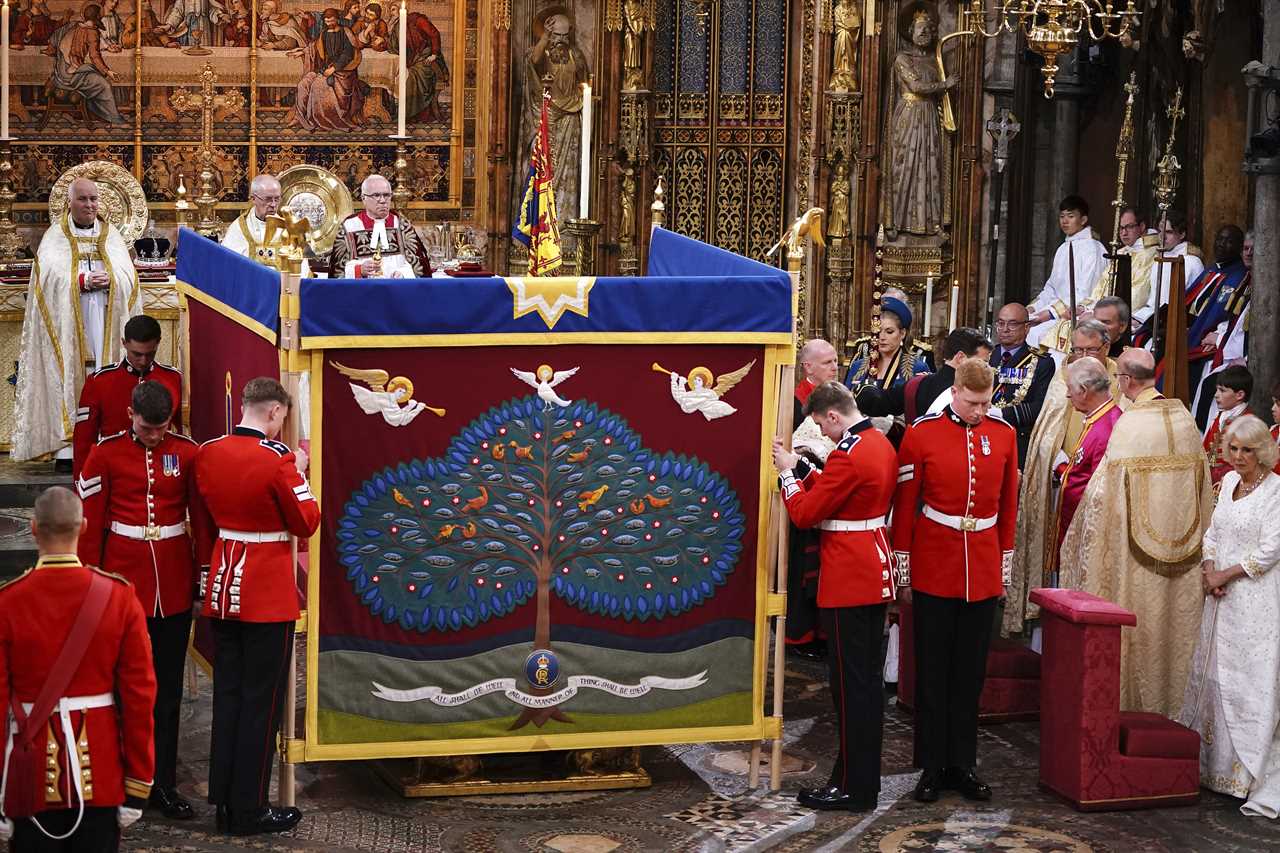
pixel 1023 376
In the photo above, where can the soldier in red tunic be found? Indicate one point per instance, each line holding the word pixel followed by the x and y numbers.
pixel 104 399
pixel 953 526
pixel 805 635
pixel 136 486
pixel 76 684
pixel 252 498
pixel 848 501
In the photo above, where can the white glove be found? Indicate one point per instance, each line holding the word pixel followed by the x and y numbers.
pixel 127 817
pixel 6 829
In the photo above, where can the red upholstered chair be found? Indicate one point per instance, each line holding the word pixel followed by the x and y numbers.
pixel 1092 754
pixel 1011 690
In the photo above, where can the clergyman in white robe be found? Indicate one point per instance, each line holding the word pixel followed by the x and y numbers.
pixel 67 331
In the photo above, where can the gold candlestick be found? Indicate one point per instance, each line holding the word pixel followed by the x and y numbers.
pixel 401 195
pixel 12 246
pixel 584 231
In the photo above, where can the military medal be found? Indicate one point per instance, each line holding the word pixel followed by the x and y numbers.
pixel 169 461
pixel 986 446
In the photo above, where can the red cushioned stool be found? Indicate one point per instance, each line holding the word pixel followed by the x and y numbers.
pixel 1011 690
pixel 1095 757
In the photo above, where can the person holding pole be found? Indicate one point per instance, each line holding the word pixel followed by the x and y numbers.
pixel 252 496
pixel 849 501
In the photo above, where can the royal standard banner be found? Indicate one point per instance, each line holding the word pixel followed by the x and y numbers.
pixel 537 226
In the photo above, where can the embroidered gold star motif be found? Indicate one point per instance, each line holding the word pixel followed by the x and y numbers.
pixel 550 297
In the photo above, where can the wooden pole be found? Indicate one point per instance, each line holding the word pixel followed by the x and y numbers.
pixel 290 378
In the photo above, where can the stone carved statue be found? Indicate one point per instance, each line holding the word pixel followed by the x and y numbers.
pixel 627 203
pixel 556 56
pixel 635 22
pixel 844 56
pixel 838 220
pixel 916 196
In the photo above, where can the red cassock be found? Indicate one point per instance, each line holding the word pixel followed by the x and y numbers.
pixel 110 697
pixel 956 509
pixel 104 404
pixel 135 501
pixel 250 498
pixel 849 500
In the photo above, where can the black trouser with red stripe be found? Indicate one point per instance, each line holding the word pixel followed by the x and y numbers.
pixel 952 638
pixel 854 656
pixel 250 677
pixel 169 638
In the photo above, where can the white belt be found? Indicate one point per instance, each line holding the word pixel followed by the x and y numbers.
pixel 967 523
pixel 66 705
pixel 254 535
pixel 149 532
pixel 78 703
pixel 840 525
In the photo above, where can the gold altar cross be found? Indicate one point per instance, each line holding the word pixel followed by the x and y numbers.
pixel 207 101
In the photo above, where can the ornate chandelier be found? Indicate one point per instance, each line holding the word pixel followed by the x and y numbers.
pixel 1052 27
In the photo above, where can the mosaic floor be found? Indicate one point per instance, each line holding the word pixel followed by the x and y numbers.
pixel 699 799
pixel 699 802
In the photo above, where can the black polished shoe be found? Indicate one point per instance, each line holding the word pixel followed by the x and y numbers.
pixel 929 786
pixel 171 804
pixel 966 781
pixel 832 798
pixel 220 817
pixel 265 819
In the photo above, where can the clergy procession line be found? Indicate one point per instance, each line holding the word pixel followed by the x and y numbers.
pixel 904 485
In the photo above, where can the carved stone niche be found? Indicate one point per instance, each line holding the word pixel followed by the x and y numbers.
pixel 909 269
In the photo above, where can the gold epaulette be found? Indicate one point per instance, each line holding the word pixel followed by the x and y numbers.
pixel 923 346
pixel 115 577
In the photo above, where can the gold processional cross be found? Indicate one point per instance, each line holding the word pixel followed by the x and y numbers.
pixel 206 101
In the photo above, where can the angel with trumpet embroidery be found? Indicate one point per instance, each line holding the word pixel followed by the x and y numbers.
pixel 384 395
pixel 696 393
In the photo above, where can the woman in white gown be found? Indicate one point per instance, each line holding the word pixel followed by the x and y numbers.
pixel 1233 695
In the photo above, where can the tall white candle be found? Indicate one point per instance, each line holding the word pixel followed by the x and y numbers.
pixel 402 82
pixel 955 304
pixel 928 305
pixel 4 73
pixel 584 195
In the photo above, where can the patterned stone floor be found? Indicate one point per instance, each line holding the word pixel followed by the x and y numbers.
pixel 699 802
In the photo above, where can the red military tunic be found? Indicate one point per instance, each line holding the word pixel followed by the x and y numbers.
pixel 105 400
pixel 848 500
pixel 114 684
pixel 967 476
pixel 250 497
pixel 1215 441
pixel 135 501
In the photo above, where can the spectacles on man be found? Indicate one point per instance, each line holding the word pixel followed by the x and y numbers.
pixel 383 196
pixel 1134 227
pixel 1011 324
pixel 269 199
pixel 1087 350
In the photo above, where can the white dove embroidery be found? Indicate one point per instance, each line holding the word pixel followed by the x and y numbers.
pixel 391 398
pixel 544 380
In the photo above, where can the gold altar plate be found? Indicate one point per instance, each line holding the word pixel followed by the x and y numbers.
pixel 318 195
pixel 122 202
